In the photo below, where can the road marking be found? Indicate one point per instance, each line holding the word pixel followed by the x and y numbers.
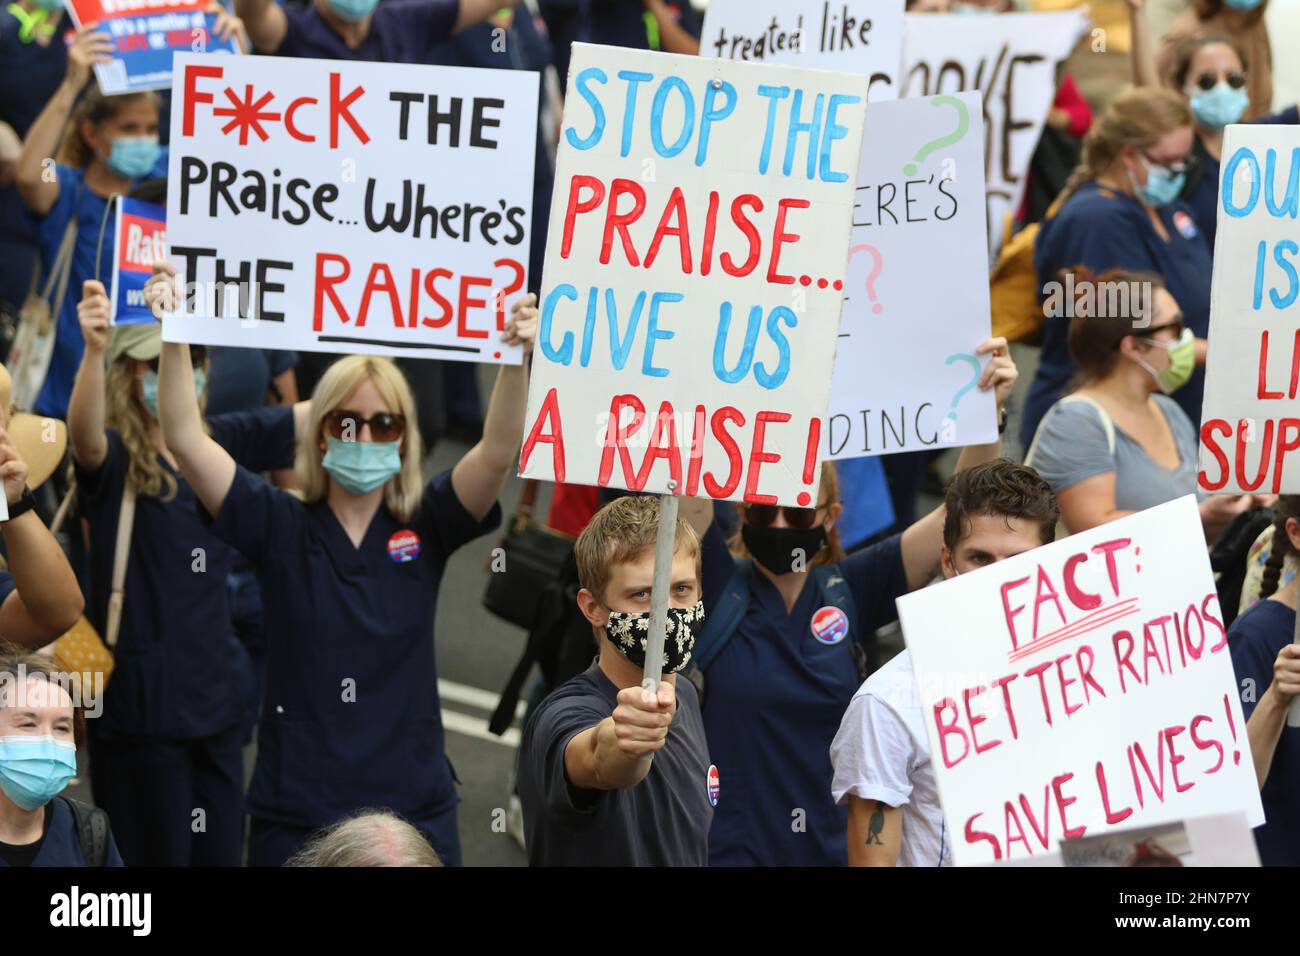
pixel 477 727
pixel 475 697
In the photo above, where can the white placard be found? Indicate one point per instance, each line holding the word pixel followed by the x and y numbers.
pixel 694 271
pixel 917 302
pixel 1081 687
pixel 352 206
pixel 1250 429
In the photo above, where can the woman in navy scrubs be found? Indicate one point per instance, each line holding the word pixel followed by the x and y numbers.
pixel 774 696
pixel 103 145
pixel 177 710
pixel 1120 210
pixel 40 729
pixel 350 576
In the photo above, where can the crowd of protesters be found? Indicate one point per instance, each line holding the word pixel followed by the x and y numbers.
pixel 290 476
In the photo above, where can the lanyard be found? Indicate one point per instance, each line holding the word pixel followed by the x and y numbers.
pixel 30 22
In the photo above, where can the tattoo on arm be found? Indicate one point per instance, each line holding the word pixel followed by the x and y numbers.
pixel 876 825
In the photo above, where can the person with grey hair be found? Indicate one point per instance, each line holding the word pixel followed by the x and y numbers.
pixel 371 838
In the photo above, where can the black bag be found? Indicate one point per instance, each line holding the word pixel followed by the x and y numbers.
pixel 560 643
pixel 532 557
pixel 1228 557
pixel 92 831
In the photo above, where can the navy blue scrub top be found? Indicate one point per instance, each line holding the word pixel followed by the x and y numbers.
pixel 611 22
pixel 350 715
pixel 238 379
pixel 401 31
pixel 179 671
pixel 1255 639
pixel 1203 194
pixel 773 701
pixel 1102 229
pixel 29 75
pixel 60 845
pixel 526 48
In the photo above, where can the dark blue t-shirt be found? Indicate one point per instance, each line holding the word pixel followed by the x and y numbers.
pixel 401 31
pixel 1102 229
pixel 238 379
pixel 1255 639
pixel 662 821
pixel 350 714
pixel 1202 195
pixel 59 844
pixel 773 701
pixel 179 672
pixel 611 22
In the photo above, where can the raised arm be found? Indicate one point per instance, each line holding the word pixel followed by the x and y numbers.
pixel 86 406
pixel 1266 722
pixel 38 186
pixel 474 12
pixel 479 477
pixel 672 37
pixel 206 465
pixel 265 22
pixel 616 753
pixel 1142 52
pixel 46 600
pixel 921 541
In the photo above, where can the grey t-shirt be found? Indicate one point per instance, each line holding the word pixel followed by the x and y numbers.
pixel 1072 446
pixel 662 821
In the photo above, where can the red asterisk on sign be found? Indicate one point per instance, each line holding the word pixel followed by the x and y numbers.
pixel 246 114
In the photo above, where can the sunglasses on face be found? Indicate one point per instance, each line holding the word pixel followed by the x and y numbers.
pixel 346 425
pixel 763 516
pixel 1208 81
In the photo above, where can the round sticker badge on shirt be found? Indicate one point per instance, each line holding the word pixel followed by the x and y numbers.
pixel 404 546
pixel 1184 224
pixel 713 785
pixel 830 625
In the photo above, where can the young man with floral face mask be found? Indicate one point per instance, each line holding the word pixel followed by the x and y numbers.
pixel 610 773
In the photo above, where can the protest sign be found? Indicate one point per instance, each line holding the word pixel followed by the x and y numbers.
pixel 861 36
pixel 1080 686
pixel 1011 58
pixel 1250 429
pixel 147 34
pixel 333 206
pixel 916 302
pixel 694 269
pixel 141 240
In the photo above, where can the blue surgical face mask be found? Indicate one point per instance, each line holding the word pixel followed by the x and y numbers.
pixel 353 11
pixel 1217 108
pixel 134 156
pixel 34 770
pixel 149 388
pixel 1162 186
pixel 1244 5
pixel 362 466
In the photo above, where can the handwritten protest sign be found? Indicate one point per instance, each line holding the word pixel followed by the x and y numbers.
pixel 862 36
pixel 905 371
pixel 694 270
pixel 147 34
pixel 334 206
pixel 1250 428
pixel 141 240
pixel 1011 59
pixel 1081 686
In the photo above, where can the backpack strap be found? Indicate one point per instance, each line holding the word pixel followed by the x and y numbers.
pixel 725 616
pixel 92 831
pixel 1106 423
pixel 835 590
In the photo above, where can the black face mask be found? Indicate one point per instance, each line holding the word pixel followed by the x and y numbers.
pixel 782 550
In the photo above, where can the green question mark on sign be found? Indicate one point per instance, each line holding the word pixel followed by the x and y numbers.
pixel 963 124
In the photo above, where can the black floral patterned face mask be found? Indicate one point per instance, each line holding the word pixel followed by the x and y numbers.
pixel 629 631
